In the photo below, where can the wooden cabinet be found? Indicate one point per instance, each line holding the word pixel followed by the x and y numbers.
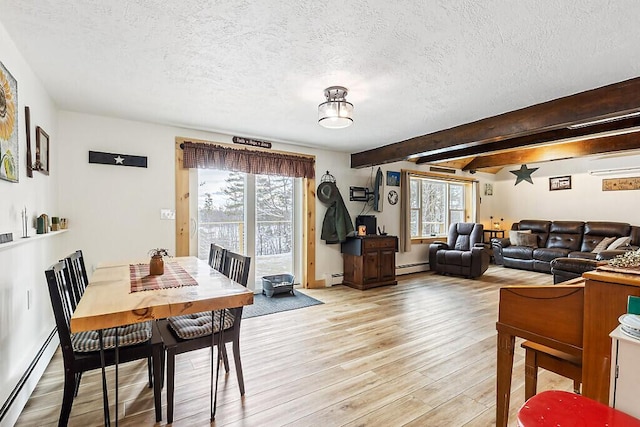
pixel 605 299
pixel 625 375
pixel 370 261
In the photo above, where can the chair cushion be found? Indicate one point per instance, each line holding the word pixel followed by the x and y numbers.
pixel 88 341
pixel 189 326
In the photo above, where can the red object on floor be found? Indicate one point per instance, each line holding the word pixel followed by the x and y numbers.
pixel 564 409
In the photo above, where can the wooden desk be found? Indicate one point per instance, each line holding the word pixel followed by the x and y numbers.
pixel 548 315
pixel 108 302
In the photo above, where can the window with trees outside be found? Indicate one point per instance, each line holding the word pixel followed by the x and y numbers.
pixel 254 215
pixel 436 204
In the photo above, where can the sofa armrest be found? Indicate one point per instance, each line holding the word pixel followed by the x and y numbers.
pixel 433 249
pixel 502 243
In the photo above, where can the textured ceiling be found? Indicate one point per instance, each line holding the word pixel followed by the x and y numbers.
pixel 259 68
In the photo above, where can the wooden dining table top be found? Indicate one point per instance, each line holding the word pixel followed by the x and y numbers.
pixel 108 301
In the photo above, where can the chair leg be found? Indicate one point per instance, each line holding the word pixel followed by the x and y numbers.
pixel 150 371
pixel 576 386
pixel 78 378
pixel 67 397
pixel 530 374
pixel 171 367
pixel 236 358
pixel 158 373
pixel 225 358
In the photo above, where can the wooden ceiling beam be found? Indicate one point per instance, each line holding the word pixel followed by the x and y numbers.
pixel 529 140
pixel 604 102
pixel 566 150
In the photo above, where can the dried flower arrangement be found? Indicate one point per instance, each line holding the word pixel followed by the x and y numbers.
pixel 159 252
pixel 629 259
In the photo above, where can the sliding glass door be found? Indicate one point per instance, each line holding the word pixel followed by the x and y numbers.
pixel 255 215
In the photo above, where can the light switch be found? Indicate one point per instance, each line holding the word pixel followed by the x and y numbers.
pixel 167 214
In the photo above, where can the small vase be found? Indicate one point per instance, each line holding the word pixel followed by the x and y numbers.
pixel 156 265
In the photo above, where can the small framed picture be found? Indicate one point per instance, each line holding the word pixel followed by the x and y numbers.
pixel 488 189
pixel 393 178
pixel 560 183
pixel 42 151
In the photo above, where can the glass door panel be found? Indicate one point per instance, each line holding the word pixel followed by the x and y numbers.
pixel 221 211
pixel 274 226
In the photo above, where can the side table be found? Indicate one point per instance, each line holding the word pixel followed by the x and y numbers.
pixel 493 233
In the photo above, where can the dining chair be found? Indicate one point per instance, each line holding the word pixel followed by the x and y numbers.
pixel 216 257
pixel 78 276
pixel 188 332
pixel 80 351
pixel 79 281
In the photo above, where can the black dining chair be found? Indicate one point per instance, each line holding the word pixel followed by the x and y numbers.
pixel 79 280
pixel 78 276
pixel 80 351
pixel 189 332
pixel 216 257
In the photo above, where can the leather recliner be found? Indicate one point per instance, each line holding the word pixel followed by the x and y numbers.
pixel 464 254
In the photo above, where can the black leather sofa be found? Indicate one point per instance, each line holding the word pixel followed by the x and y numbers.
pixel 561 239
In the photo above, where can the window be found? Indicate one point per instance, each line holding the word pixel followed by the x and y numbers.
pixel 436 203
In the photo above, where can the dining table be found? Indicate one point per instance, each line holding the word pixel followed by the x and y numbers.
pixel 117 297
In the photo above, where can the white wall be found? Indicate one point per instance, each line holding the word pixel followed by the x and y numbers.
pixel 585 201
pixel 108 205
pixel 23 330
pixel 114 212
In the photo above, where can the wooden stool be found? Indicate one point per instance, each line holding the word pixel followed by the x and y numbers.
pixel 540 356
pixel 561 408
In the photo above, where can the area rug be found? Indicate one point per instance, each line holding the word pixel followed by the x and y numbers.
pixel 279 302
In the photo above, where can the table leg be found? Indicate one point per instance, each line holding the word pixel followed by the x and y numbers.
pixel 105 397
pixel 506 343
pixel 116 361
pixel 214 397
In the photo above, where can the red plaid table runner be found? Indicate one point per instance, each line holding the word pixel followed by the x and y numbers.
pixel 174 276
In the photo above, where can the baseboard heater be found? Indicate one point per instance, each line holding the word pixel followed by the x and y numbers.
pixel 400 268
pixel 23 380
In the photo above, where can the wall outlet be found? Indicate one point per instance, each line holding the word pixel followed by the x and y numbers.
pixel 167 214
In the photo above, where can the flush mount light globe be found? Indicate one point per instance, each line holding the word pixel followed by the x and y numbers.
pixel 336 112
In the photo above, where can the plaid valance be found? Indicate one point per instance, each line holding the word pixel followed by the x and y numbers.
pixel 211 156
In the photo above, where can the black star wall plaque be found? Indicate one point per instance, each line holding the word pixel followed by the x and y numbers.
pixel 117 159
pixel 523 174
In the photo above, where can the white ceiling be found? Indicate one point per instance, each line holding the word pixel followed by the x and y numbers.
pixel 259 68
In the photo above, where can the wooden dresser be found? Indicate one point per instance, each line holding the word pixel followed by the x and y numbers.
pixel 370 261
pixel 605 300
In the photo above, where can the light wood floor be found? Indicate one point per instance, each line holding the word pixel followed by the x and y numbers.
pixel 422 353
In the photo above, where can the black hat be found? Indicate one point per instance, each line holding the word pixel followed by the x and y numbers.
pixel 327 192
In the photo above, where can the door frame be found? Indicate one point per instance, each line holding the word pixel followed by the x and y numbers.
pixel 309 204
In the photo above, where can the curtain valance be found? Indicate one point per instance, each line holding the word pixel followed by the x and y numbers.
pixel 212 156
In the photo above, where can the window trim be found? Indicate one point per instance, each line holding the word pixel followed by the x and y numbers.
pixel 309 220
pixel 442 177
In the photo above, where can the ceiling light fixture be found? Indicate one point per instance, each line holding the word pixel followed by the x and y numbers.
pixel 336 112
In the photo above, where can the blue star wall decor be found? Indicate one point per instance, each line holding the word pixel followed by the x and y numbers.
pixel 523 174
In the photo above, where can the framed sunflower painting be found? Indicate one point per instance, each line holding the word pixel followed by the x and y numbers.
pixel 8 126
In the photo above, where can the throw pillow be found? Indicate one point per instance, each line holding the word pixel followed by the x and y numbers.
pixel 513 236
pixel 528 239
pixel 619 243
pixel 604 244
